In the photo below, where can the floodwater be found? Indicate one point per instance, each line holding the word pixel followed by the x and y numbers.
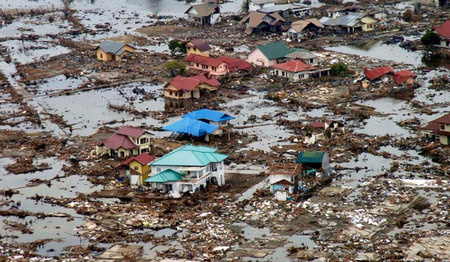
pixel 376 49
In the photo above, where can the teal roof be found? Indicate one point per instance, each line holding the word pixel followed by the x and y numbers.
pixel 310 157
pixel 164 177
pixel 190 155
pixel 275 50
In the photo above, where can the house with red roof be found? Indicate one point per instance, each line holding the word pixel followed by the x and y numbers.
pixel 399 77
pixel 136 168
pixel 189 87
pixel 216 66
pixel 444 31
pixel 437 130
pixel 296 70
pixel 127 141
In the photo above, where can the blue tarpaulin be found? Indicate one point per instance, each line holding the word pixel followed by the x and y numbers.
pixel 188 126
pixel 209 115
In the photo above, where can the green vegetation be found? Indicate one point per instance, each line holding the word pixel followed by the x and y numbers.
pixel 174 68
pixel 339 69
pixel 430 38
pixel 177 46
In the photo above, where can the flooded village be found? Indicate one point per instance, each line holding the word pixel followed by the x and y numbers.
pixel 241 130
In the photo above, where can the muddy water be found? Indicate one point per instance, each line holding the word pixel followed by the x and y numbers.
pixel 378 50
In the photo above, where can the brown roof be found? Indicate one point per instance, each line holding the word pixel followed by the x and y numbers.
pixel 204 60
pixel 435 125
pixel 294 66
pixel 289 169
pixel 256 18
pixel 283 182
pixel 299 25
pixel 143 158
pixel 200 44
pixel 205 9
pixel 190 83
pixel 130 131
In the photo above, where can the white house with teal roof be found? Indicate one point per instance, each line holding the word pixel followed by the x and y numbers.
pixel 187 169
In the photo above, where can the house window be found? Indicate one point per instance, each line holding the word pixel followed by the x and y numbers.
pixel 214 166
pixel 144 150
pixel 144 140
pixel 282 73
pixel 136 168
pixel 214 68
pixel 204 66
pixel 158 169
pixel 101 55
pixel 170 93
pixel 442 127
pixel 198 65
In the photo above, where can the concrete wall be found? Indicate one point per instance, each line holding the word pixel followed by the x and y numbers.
pixel 257 57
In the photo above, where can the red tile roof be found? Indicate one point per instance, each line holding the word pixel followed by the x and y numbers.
pixel 130 131
pixel 401 76
pixel 117 141
pixel 203 60
pixel 444 29
pixel 235 64
pixel 294 66
pixel 190 83
pixel 143 158
pixel 443 119
pixel 377 72
pixel 318 125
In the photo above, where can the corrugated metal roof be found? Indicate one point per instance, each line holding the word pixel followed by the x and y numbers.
pixel 165 176
pixel 204 60
pixel 299 25
pixel 188 126
pixel 113 47
pixel 131 131
pixel 207 114
pixel 190 155
pixel 347 20
pixel 143 158
pixel 275 50
pixel 200 44
pixel 310 157
pixel 376 73
pixel 117 141
pixel 444 29
pixel 301 55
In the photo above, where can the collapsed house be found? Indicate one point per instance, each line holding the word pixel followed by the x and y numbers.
pixel 187 169
pixel 315 163
pixel 304 56
pixel 110 51
pixel 386 74
pixel 437 130
pixel 127 141
pixel 189 87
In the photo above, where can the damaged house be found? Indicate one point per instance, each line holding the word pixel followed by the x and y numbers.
pixel 386 73
pixel 352 22
pixel 216 67
pixel 269 54
pixel 110 51
pixel 189 87
pixel 304 28
pixel 187 169
pixel 438 130
pixel 305 57
pixel 284 177
pixel 202 123
pixel 203 14
pixel 127 141
pixel 444 32
pixel 257 22
pixel 317 163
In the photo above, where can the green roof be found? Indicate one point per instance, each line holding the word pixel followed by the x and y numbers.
pixel 190 155
pixel 164 177
pixel 310 157
pixel 275 50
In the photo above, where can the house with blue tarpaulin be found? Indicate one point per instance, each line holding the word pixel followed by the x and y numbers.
pixel 199 123
pixel 187 169
pixel 314 162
